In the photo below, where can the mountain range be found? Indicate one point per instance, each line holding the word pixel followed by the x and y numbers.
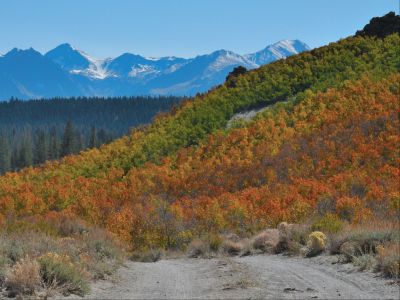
pixel 65 71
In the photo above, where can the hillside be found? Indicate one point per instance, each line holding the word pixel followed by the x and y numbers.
pixel 324 151
pixel 309 72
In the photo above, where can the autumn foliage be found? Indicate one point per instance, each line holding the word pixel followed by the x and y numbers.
pixel 332 149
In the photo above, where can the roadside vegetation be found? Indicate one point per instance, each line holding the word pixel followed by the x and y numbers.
pixel 61 256
pixel 373 246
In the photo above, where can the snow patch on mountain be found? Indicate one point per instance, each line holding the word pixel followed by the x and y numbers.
pixel 142 70
pixel 174 68
pixel 96 67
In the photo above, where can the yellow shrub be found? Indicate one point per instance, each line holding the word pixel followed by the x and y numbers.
pixel 316 242
pixel 394 203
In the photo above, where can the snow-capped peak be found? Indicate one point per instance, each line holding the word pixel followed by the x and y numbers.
pixel 292 46
pixel 279 50
pixel 77 61
pixel 225 58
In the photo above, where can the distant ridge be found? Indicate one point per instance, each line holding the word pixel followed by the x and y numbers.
pixel 66 71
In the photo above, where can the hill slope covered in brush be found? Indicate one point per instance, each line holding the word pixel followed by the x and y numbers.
pixel 333 142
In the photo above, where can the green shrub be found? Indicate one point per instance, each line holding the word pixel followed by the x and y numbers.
pixel 364 262
pixel 214 242
pixel 58 269
pixel 3 266
pixel 15 246
pixel 101 269
pixel 103 249
pixel 329 223
pixel 369 240
pixel 15 251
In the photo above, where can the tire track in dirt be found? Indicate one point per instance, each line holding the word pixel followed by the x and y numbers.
pixel 251 277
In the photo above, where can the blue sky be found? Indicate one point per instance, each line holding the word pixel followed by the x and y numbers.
pixel 184 28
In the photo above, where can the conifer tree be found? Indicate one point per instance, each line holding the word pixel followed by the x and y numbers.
pixel 69 142
pixel 78 142
pixel 93 138
pixel 40 154
pixel 54 145
pixel 25 158
pixel 4 154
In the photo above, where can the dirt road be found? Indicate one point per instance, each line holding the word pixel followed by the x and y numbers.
pixel 252 277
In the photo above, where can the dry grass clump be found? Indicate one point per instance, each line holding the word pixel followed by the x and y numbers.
pixel 67 226
pixel 233 237
pixel 206 246
pixel 347 250
pixel 266 241
pixel 247 247
pixel 197 248
pixel 365 236
pixel 388 257
pixel 149 256
pixel 232 248
pixel 371 245
pixel 23 278
pixel 292 238
pixel 226 244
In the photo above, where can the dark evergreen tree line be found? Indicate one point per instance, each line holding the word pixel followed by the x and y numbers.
pixel 34 131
